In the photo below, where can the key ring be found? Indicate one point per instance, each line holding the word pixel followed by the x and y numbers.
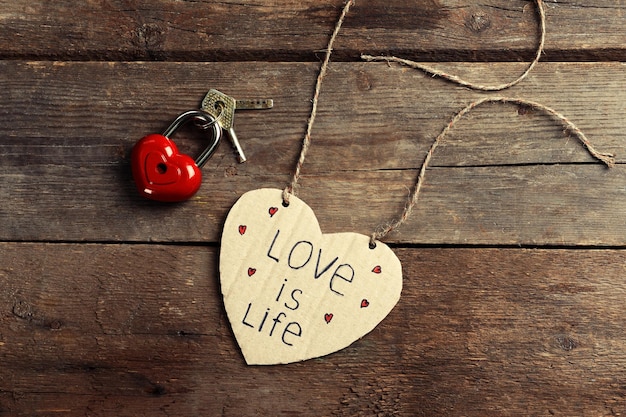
pixel 216 120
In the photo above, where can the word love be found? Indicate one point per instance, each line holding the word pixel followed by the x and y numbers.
pixel 300 255
pixel 292 293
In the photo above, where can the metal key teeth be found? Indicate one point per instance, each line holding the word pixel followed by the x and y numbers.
pixel 254 104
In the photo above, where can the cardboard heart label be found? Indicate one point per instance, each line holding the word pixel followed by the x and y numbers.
pixel 292 293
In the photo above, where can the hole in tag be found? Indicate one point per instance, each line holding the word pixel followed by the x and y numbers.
pixel 161 168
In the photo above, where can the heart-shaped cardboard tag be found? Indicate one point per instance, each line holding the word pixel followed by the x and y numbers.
pixel 292 293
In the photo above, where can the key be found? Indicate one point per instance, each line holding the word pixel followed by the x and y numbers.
pixel 258 104
pixel 222 107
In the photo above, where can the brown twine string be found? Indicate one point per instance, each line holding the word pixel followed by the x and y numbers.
pixel 306 142
pixel 474 86
pixel 607 158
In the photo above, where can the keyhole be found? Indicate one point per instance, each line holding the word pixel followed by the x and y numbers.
pixel 161 168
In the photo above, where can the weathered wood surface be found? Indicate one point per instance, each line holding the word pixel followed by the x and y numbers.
pixel 505 175
pixel 477 332
pixel 294 30
pixel 111 305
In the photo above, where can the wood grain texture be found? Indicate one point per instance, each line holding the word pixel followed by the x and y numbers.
pixel 434 30
pixel 110 304
pixel 506 175
pixel 477 332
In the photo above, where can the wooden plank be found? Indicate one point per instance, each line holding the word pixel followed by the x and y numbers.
pixel 140 330
pixel 127 328
pixel 434 30
pixel 505 175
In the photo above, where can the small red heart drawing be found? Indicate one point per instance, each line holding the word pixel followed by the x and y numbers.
pixel 328 317
pixel 364 303
pixel 242 229
pixel 273 211
pixel 251 271
pixel 377 269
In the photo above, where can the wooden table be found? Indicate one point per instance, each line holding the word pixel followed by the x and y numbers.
pixel 514 262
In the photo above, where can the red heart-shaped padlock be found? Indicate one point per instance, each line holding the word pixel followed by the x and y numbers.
pixel 161 173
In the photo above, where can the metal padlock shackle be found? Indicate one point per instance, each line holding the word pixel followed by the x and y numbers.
pixel 204 121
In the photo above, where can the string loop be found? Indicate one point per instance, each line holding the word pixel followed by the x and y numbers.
pixel 475 86
pixel 606 158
